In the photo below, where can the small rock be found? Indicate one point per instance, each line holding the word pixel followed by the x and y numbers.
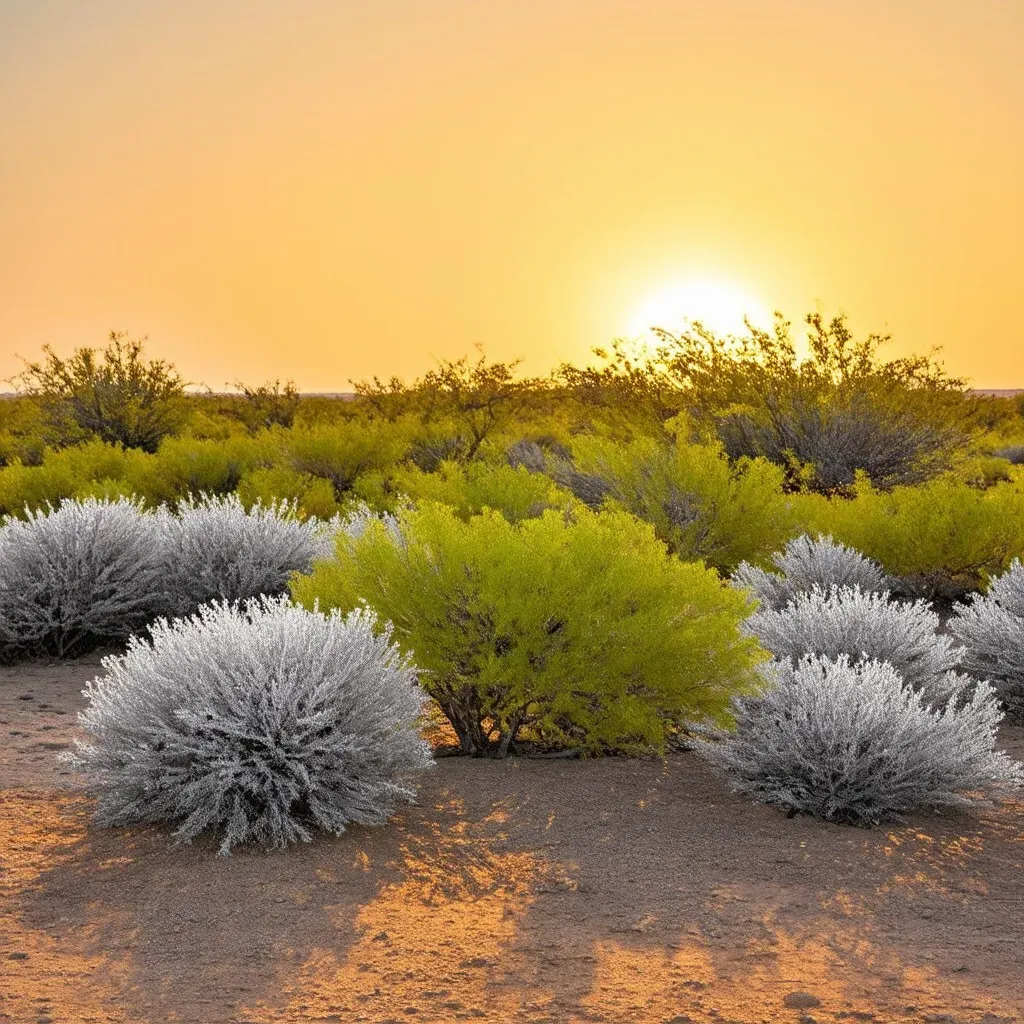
pixel 680 1018
pixel 25 696
pixel 476 961
pixel 17 956
pixel 808 1019
pixel 801 1001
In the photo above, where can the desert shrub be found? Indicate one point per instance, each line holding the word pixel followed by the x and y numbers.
pixel 213 549
pixel 851 743
pixel 700 505
pixel 864 627
pixel 991 629
pixel 807 563
pixel 839 410
pixel 115 395
pixel 265 485
pixel 468 488
pixel 554 632
pixel 941 539
pixel 76 576
pixel 66 473
pixel 341 452
pixel 185 465
pixel 263 723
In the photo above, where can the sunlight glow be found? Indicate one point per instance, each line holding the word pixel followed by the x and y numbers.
pixel 716 304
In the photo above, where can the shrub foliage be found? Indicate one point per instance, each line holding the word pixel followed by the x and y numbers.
pixel 76 576
pixel 213 549
pixel 261 723
pixel 852 743
pixel 806 564
pixel 862 626
pixel 557 632
pixel 991 628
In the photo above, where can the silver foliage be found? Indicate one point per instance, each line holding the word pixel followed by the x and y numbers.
pixel 261 722
pixel 807 563
pixel 81 574
pixel 213 549
pixel 863 626
pixel 851 743
pixel 991 628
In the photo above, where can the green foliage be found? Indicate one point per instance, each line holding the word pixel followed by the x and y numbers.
pixel 700 505
pixel 268 405
pixel 267 485
pixel 837 411
pixel 561 631
pixel 942 538
pixel 341 452
pixel 468 488
pixel 116 395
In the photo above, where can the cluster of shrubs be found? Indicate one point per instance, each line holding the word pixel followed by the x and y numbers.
pixel 544 560
pixel 865 714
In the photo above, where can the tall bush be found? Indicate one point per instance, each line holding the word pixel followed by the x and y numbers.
pixel 77 576
pixel 852 743
pixel 261 723
pixel 557 632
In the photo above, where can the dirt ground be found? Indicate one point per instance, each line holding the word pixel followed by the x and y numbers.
pixel 520 891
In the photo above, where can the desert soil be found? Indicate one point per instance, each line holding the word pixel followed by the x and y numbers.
pixel 520 891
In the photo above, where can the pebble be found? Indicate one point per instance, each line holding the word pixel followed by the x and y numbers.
pixel 801 1001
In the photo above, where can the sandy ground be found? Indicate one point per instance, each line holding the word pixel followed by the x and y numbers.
pixel 520 891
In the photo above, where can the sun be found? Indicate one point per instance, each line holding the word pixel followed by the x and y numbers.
pixel 718 305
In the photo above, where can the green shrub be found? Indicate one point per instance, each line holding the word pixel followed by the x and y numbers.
pixel 187 465
pixel 341 452
pixel 468 488
pixel 699 504
pixel 561 631
pixel 267 485
pixel 68 473
pixel 942 539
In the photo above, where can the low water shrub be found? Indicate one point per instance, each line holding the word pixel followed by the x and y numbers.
pixel 991 628
pixel 261 722
pixel 941 539
pixel 852 743
pixel 805 564
pixel 700 504
pixel 213 549
pixel 864 627
pixel 557 632
pixel 76 576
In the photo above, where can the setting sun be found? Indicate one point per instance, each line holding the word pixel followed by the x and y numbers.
pixel 716 304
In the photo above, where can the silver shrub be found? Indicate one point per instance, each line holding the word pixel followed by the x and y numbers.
pixel 991 628
pixel 215 550
pixel 863 626
pixel 807 563
pixel 852 743
pixel 261 721
pixel 81 574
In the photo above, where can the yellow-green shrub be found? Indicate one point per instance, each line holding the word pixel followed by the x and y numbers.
pixel 188 465
pixel 468 488
pixel 68 473
pixel 266 485
pixel 700 505
pixel 340 452
pixel 942 538
pixel 564 631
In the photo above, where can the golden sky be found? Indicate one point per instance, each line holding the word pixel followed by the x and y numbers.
pixel 329 189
